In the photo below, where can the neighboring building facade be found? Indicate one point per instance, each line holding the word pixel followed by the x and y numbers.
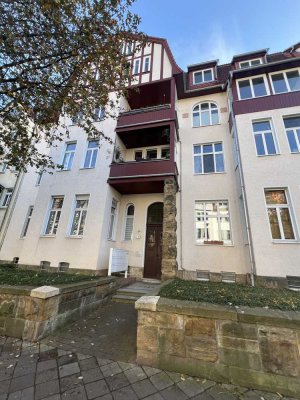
pixel 203 180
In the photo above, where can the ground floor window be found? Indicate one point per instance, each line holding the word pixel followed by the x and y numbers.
pixel 128 229
pixel 27 221
pixel 7 197
pixel 212 222
pixel 79 215
pixel 54 215
pixel 112 220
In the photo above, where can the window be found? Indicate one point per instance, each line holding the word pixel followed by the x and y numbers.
pixel 138 155
pixel 2 167
pixel 208 158
pixel 112 221
pixel 288 81
pixel 39 177
pixel 250 63
pixel 136 66
pixel 212 222
pixel 54 215
pixel 205 114
pixel 151 154
pixel 7 197
pixel 292 128
pixel 129 49
pixel 146 67
pixel 203 76
pixel 264 138
pixel 69 156
pixel 79 216
pixel 165 153
pixel 99 114
pixel 27 221
pixel 129 222
pixel 76 119
pixel 250 88
pixel 278 209
pixel 91 154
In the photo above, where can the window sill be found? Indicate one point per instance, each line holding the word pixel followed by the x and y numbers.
pixel 111 240
pixel 209 173
pixel 268 155
pixel 285 241
pixel 215 244
pixel 47 236
pixel 3 207
pixel 63 170
pixel 74 237
pixel 206 126
pixel 83 168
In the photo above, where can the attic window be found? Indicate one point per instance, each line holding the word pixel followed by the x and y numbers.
pixel 203 76
pixel 250 63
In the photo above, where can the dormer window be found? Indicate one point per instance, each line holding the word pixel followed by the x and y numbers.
pixel 203 76
pixel 250 63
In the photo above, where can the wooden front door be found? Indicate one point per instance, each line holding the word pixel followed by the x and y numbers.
pixel 153 252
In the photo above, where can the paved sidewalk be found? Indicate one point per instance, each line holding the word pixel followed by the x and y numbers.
pixel 74 364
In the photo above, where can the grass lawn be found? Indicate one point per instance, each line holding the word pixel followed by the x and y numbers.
pixel 18 277
pixel 232 294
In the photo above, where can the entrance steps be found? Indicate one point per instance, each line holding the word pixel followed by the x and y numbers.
pixel 131 293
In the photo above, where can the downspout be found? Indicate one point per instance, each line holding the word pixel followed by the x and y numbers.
pixel 242 183
pixel 180 205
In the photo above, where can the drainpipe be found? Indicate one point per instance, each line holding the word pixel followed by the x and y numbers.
pixel 242 183
pixel 180 206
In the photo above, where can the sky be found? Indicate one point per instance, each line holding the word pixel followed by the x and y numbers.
pixel 202 30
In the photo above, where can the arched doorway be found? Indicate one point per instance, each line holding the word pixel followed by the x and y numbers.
pixel 153 245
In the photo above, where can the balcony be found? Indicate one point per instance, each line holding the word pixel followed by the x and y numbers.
pixel 136 177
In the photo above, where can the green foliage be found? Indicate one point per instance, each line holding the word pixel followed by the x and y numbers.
pixel 18 277
pixel 231 294
pixel 59 58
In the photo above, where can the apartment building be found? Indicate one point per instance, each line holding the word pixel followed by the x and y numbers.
pixel 203 179
pixel 8 177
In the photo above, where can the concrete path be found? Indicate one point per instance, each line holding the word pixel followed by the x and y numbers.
pixel 93 359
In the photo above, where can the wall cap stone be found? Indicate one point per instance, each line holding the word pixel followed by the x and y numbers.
pixel 44 292
pixel 148 303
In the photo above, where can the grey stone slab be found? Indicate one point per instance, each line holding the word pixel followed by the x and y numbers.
pixel 46 389
pixel 151 371
pixel 156 396
pixel 96 389
pixel 191 387
pixel 116 382
pixel 143 388
pixel 54 397
pixel 174 376
pixel 69 369
pixel 125 393
pixel 103 361
pixel 4 386
pixel 83 356
pixel 234 389
pixel 161 380
pixel 105 397
pixel 203 396
pixel 110 369
pixel 92 375
pixel 125 366
pixel 88 363
pixel 77 393
pixel 6 372
pixel 220 393
pixel 67 359
pixel 267 396
pixel 44 365
pixel 173 393
pixel 28 394
pixel 135 374
pixel 47 375
pixel 69 382
pixel 15 395
pixel 24 369
pixel 3 396
pixel 22 382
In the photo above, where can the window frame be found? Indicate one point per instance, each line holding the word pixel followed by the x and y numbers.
pixel 251 87
pixel 270 120
pixel 214 157
pixel 297 140
pixel 144 64
pixel 69 152
pixel 111 232
pixel 209 102
pixel 135 61
pixel 289 206
pixel 206 242
pixel 50 205
pixel 72 215
pixel 202 73
pixel 285 80
pixel 97 149
pixel 3 167
pixel 6 197
pixel 250 61
pixel 27 222
pixel 126 217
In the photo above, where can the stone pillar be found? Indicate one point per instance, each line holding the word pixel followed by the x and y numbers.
pixel 169 250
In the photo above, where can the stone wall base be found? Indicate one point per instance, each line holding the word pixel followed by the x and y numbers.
pixel 136 272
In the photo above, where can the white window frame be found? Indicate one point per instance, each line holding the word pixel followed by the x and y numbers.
pixel 82 211
pixel 202 73
pixel 214 153
pixel 210 112
pixel 250 63
pixel 289 206
pixel 68 153
pixel 251 87
pixel 285 79
pixel 6 197
pixel 127 217
pixel 144 63
pixel 55 210
pixel 92 150
pixel 294 133
pixel 263 137
pixel 219 216
pixel 129 48
pixel 112 222
pixel 99 114
pixel 134 68
pixel 3 167
pixel 27 222
pixel 39 178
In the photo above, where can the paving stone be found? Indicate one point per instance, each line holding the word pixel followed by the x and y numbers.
pixel 77 393
pixel 24 369
pixel 161 380
pixel 125 393
pixel 6 373
pixel 117 381
pixel 46 376
pixel 83 356
pixel 143 388
pixel 156 396
pixel 173 393
pixel 110 369
pixel 103 361
pixel 191 387
pixel 125 366
pixel 54 397
pixel 219 393
pixel 44 365
pixel 28 394
pixel 15 395
pixel 203 396
pixel 22 382
pixel 46 389
pixel 174 376
pixel 234 389
pixel 151 371
pixel 69 382
pixel 96 389
pixel 48 355
pixel 4 386
pixel 69 369
pixel 267 396
pixel 88 363
pixel 105 397
pixel 3 396
pixel 67 359
pixel 92 375
pixel 135 374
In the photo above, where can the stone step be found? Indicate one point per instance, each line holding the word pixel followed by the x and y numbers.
pixel 119 298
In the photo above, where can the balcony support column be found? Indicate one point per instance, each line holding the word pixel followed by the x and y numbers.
pixel 169 249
